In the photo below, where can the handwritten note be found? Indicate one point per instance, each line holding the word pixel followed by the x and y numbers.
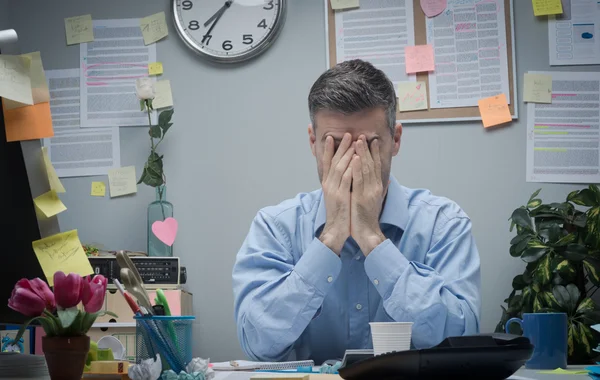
pixel 62 252
pixel 37 79
pixel 14 79
pixel 79 29
pixel 154 28
pixel 163 97
pixel 98 189
pixel 49 204
pixel 55 183
pixel 122 181
pixel 344 4
pixel 538 88
pixel 432 8
pixel 419 58
pixel 547 7
pixel 155 68
pixel 494 110
pixel 412 96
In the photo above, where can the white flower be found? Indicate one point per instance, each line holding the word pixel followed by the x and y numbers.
pixel 144 88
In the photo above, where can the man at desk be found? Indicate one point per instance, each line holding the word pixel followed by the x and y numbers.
pixel 316 269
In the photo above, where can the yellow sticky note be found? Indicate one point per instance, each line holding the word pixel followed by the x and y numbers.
pixel 344 4
pixel 547 7
pixel 79 29
pixel 37 78
pixel 98 189
pixel 560 371
pixel 62 252
pixel 55 183
pixel 538 88
pixel 163 96
pixel 122 181
pixel 418 58
pixel 15 82
pixel 155 68
pixel 412 96
pixel 49 204
pixel 494 110
pixel 154 28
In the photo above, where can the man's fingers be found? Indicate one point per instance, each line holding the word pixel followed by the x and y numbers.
pixel 365 157
pixel 327 156
pixel 357 175
pixel 346 179
pixel 337 172
pixel 341 150
pixel 376 159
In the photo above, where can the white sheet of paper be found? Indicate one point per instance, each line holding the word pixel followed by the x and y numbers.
pixel 164 96
pixel 561 135
pixel 122 181
pixel 470 53
pixel 574 36
pixel 15 83
pixel 76 151
pixel 391 28
pixel 108 79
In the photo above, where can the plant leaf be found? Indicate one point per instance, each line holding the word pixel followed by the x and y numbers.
pixel 537 304
pixel 67 316
pixel 543 272
pixel 562 296
pixel 166 127
pixel 519 238
pixel 143 176
pixel 521 218
pixel 584 197
pixel 520 247
pixel 571 338
pixel 142 105
pixel 575 252
pixel 535 194
pixel 518 283
pixel 155 132
pixel 154 170
pixel 165 117
pixel 585 337
pixel 574 295
pixel 515 304
pixel 586 305
pixel 565 240
pixel 593 270
pixel 149 102
pixel 533 254
pixel 550 301
pixel 533 203
pixel 580 220
pixel 566 270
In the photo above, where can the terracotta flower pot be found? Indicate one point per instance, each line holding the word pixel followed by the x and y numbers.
pixel 66 356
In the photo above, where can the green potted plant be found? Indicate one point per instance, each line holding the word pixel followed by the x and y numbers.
pixel 560 243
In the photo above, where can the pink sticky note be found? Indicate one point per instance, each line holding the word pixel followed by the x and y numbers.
pixel 419 58
pixel 165 231
pixel 432 8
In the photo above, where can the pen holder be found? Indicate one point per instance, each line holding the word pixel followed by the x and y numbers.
pixel 169 336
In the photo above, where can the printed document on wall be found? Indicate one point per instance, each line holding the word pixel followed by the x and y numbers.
pixel 109 67
pixel 574 36
pixel 76 151
pixel 563 137
pixel 471 62
pixel 377 32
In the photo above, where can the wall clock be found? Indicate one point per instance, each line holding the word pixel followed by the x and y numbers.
pixel 228 31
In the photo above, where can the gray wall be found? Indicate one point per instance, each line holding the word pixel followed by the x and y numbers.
pixel 239 143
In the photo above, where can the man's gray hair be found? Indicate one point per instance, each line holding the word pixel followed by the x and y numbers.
pixel 353 86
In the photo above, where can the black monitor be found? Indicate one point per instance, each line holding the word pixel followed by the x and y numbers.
pixel 22 177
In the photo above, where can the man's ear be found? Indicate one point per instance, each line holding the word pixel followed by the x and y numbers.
pixel 397 139
pixel 312 138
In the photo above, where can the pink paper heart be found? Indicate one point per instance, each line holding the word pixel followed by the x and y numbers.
pixel 165 231
pixel 433 8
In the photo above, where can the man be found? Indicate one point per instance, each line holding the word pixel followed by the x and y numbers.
pixel 315 270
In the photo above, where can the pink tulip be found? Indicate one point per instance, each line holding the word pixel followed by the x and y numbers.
pixel 31 297
pixel 67 289
pixel 94 293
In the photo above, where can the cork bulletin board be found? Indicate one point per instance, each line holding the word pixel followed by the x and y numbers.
pixel 438 114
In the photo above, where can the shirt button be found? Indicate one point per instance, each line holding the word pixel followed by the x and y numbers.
pixel 358 306
pixel 357 257
pixel 329 279
pixel 376 282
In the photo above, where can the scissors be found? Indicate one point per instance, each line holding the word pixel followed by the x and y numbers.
pixel 133 281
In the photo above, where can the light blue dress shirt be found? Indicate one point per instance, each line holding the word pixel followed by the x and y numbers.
pixel 293 294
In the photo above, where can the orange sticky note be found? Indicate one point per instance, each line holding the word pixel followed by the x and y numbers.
pixel 418 58
pixel 494 110
pixel 28 123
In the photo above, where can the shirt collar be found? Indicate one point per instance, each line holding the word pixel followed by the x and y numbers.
pixel 395 208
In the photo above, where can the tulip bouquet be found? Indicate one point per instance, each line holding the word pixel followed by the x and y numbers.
pixel 59 311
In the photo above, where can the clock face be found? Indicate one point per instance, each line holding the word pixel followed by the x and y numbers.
pixel 229 30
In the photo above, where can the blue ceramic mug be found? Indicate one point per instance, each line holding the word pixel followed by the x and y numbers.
pixel 548 333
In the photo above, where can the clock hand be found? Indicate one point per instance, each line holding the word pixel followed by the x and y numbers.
pixel 219 14
pixel 222 9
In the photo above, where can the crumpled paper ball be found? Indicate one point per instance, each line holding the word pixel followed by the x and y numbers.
pixel 200 365
pixel 144 88
pixel 149 369
pixel 171 375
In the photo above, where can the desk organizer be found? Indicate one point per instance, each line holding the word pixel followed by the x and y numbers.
pixel 169 336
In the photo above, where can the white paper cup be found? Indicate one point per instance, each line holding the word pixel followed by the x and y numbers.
pixel 390 336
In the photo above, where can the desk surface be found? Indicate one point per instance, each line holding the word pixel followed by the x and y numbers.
pixel 522 374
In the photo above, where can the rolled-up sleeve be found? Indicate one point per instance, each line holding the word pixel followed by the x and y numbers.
pixel 275 297
pixel 441 296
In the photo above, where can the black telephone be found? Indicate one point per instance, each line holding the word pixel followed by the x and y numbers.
pixel 483 356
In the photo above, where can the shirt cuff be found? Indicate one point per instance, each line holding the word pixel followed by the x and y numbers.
pixel 384 266
pixel 319 266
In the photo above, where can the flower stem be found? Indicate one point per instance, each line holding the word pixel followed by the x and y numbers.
pixel 153 151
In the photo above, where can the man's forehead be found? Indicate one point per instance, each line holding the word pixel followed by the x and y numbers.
pixel 370 123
